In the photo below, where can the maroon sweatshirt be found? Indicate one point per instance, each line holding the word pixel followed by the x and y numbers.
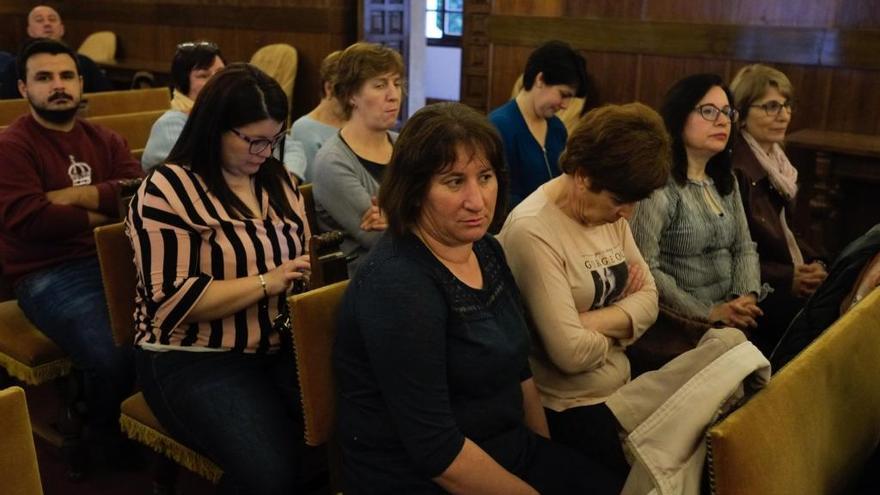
pixel 34 233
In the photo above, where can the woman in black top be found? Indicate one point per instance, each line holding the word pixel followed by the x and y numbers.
pixel 435 392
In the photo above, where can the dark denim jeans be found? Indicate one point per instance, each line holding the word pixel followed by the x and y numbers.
pixel 240 410
pixel 67 304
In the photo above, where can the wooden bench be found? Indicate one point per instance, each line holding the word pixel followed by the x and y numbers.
pixel 97 104
pixel 814 426
pixel 134 127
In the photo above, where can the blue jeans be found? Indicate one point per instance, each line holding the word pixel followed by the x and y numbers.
pixel 67 304
pixel 240 410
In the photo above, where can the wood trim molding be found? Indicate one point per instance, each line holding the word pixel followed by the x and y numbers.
pixel 789 45
pixel 476 56
pixel 333 20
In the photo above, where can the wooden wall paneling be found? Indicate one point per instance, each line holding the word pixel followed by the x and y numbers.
pixel 507 64
pixel 852 48
pixel 791 13
pixel 551 8
pixel 786 45
pixel 476 54
pixel 812 87
pixel 606 9
pixel 854 104
pixel 14 30
pixel 616 75
pixel 858 14
pixel 658 74
pixel 803 13
pixel 686 11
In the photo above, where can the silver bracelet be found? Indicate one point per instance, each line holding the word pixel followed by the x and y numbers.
pixel 263 284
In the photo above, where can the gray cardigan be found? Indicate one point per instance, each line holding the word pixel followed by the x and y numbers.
pixel 342 188
pixel 697 257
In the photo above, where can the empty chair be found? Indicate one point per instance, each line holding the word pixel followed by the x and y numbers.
pixel 280 62
pixel 18 463
pixel 99 46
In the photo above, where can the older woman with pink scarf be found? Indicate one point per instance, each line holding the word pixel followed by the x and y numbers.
pixel 768 185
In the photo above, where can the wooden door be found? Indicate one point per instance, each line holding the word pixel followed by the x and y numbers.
pixel 386 22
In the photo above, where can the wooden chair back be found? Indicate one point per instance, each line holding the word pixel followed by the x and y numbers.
pixel 815 425
pixel 126 101
pixel 99 46
pixel 311 212
pixel 314 331
pixel 119 273
pixel 18 463
pixel 134 127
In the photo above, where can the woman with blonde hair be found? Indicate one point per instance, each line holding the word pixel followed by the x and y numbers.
pixel 768 184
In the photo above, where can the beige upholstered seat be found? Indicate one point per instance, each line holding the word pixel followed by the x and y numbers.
pixel 99 46
pixel 19 472
pixel 280 62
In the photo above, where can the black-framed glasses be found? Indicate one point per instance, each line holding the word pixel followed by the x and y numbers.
pixel 711 113
pixel 773 107
pixel 257 145
pixel 191 45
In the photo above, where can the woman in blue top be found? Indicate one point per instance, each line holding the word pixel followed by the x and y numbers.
pixel 431 358
pixel 533 135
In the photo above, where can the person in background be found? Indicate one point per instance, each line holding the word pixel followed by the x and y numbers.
pixel 590 295
pixel 194 63
pixel 349 166
pixel 588 291
pixel 693 232
pixel 219 236
pixel 62 176
pixel 852 277
pixel 323 122
pixel 435 394
pixel 533 135
pixel 768 186
pixel 45 22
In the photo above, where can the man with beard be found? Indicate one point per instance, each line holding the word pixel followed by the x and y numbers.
pixel 59 178
pixel 45 22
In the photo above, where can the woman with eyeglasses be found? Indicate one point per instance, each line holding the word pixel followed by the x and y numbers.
pixel 693 232
pixel 350 165
pixel 219 236
pixel 768 185
pixel 193 64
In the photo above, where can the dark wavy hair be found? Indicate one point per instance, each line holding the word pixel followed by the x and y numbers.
pixel 238 95
pixel 560 64
pixel 623 149
pixel 680 101
pixel 189 57
pixel 42 45
pixel 427 145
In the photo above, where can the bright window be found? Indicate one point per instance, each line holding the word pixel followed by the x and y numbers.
pixel 444 21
